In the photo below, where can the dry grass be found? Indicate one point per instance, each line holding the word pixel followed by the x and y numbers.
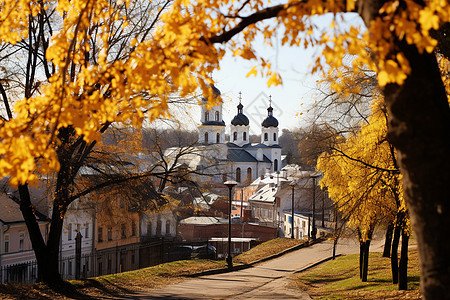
pixel 267 249
pixel 339 279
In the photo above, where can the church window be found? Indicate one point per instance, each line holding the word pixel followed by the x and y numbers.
pixel 244 136
pixel 206 116
pixel 234 136
pixel 206 137
pixel 266 137
pixel 218 138
pixel 274 137
pixel 238 174
pixel 249 174
pixel 217 116
pixel 275 165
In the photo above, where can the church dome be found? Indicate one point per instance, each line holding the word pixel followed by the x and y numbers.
pixel 215 90
pixel 240 118
pixel 270 121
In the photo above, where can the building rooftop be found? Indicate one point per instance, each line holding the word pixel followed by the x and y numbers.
pixel 203 220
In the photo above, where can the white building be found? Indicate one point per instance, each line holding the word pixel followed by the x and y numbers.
pixel 277 195
pixel 301 223
pixel 78 219
pixel 17 260
pixel 236 159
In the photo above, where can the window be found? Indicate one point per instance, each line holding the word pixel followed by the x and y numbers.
pixel 158 228
pixel 266 137
pixel 234 136
pixel 69 271
pixel 244 136
pixel 238 174
pixel 149 228
pixel 275 165
pixel 132 259
pixel 100 268
pixel 249 174
pixel 100 234
pixel 274 137
pixel 206 116
pixel 167 227
pixel 133 228
pixel 122 230
pixel 21 240
pixel 217 116
pixel 109 234
pixel 86 230
pixel 69 232
pixel 6 243
pixel 218 138
pixel 206 137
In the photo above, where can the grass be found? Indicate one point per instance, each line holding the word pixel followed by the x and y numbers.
pixel 339 279
pixel 267 249
pixel 114 285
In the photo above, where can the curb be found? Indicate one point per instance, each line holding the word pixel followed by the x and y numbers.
pixel 316 264
pixel 250 265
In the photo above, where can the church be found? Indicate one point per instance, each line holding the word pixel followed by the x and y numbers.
pixel 238 159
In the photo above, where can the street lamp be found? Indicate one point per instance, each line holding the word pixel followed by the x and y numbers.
pixel 292 184
pixel 314 229
pixel 230 184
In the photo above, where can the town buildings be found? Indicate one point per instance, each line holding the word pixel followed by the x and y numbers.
pixel 17 260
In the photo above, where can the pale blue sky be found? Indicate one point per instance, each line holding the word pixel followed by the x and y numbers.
pixel 290 100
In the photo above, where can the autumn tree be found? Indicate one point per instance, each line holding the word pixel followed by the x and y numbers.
pixel 189 46
pixel 68 148
pixel 363 178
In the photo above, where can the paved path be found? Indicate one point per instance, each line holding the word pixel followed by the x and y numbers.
pixel 264 281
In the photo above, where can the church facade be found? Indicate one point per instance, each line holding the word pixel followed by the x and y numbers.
pixel 240 160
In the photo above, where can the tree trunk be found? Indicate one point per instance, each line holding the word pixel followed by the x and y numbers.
pixel 37 241
pixel 366 261
pixel 362 247
pixel 394 254
pixel 388 240
pixel 403 267
pixel 420 130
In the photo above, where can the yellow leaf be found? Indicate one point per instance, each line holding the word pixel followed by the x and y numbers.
pixel 252 72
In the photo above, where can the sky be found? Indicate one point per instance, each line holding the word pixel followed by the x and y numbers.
pixel 290 101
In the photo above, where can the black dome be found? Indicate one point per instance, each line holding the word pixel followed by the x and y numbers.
pixel 215 90
pixel 240 119
pixel 270 121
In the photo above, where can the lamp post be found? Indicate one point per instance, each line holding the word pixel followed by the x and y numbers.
pixel 230 184
pixel 292 184
pixel 314 229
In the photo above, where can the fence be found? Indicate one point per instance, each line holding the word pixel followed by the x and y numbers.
pixel 108 261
